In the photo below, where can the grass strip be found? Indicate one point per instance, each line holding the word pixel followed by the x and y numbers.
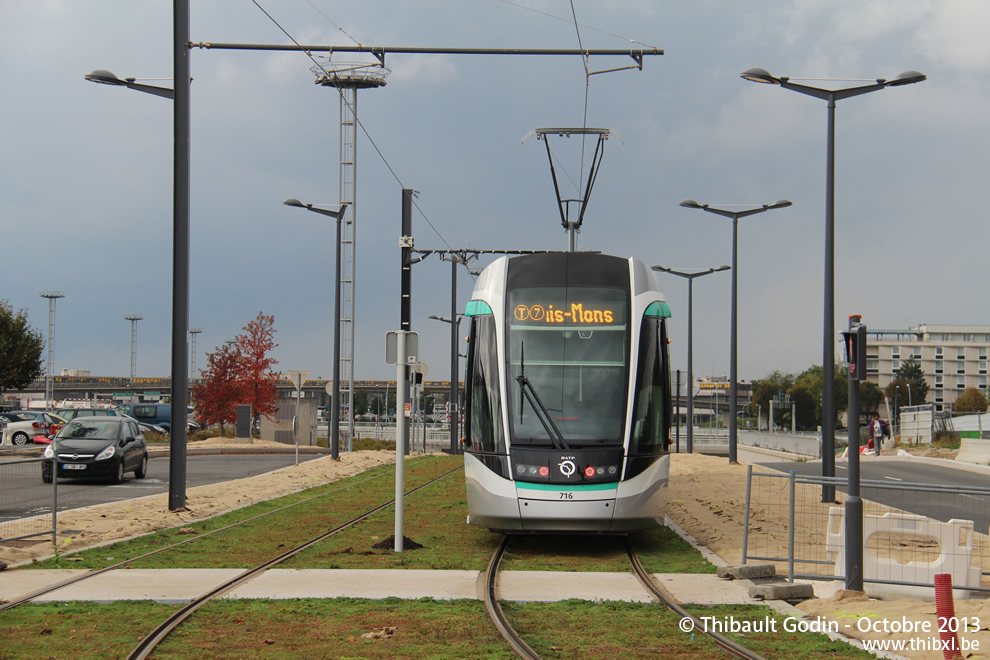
pixel 424 628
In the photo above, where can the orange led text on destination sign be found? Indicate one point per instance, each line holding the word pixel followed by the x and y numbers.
pixel 549 315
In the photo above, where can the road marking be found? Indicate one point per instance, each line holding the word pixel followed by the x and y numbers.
pixel 893 478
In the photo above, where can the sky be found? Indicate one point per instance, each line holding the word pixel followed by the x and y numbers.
pixel 86 169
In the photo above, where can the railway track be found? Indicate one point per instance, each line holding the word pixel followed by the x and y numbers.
pixel 524 650
pixel 153 639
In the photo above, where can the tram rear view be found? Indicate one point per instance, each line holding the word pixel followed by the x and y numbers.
pixel 568 401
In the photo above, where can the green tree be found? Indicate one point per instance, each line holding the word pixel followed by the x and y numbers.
pixel 21 348
pixel 870 398
pixel 769 388
pixel 911 373
pixel 361 403
pixel 897 394
pixel 970 401
pixel 813 380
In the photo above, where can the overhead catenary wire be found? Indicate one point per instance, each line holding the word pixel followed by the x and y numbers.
pixel 351 109
pixel 380 52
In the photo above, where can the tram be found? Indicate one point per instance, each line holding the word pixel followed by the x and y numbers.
pixel 568 401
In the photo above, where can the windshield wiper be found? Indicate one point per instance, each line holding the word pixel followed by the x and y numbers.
pixel 527 390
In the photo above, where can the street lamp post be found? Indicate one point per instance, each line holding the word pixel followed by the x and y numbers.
pixel 828 341
pixel 335 404
pixel 454 408
pixel 690 373
pixel 733 321
pixel 52 296
pixel 180 240
pixel 133 318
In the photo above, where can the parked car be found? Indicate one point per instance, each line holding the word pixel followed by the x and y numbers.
pixel 147 428
pixel 94 447
pixel 71 413
pixel 23 425
pixel 159 414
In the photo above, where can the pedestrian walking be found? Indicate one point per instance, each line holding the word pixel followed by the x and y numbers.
pixel 878 430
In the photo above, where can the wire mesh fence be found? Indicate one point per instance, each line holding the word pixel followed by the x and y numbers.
pixel 27 504
pixel 911 531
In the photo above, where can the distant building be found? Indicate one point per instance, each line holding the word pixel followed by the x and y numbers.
pixel 952 357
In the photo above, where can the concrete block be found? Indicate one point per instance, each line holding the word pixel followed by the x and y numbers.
pixel 782 591
pixel 747 571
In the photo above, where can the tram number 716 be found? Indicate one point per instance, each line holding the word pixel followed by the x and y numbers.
pixel 567 496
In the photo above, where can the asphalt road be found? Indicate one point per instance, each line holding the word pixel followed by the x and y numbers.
pixel 33 496
pixel 940 505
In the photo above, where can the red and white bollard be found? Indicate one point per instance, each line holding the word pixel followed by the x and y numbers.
pixel 945 611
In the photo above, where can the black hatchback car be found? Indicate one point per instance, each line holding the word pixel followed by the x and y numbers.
pixel 97 447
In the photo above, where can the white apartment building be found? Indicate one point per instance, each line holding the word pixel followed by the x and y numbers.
pixel 952 357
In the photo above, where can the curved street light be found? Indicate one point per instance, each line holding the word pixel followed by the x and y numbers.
pixel 690 364
pixel 733 325
pixel 828 340
pixel 179 366
pixel 334 432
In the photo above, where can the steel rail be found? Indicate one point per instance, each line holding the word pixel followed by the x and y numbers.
pixel 79 578
pixel 494 609
pixel 148 644
pixel 722 641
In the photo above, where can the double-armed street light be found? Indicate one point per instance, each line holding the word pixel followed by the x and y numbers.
pixel 690 278
pixel 334 432
pixel 733 325
pixel 828 341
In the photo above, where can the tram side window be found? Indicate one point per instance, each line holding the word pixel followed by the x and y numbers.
pixel 649 427
pixel 485 415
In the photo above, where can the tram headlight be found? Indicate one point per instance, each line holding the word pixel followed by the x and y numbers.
pixel 612 469
pixel 589 471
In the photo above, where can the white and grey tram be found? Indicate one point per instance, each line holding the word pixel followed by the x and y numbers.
pixel 567 395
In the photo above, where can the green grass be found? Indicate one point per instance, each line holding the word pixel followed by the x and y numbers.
pixel 425 628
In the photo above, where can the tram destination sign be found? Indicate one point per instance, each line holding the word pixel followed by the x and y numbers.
pixel 574 314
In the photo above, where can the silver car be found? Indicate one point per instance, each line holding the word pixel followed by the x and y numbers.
pixel 23 425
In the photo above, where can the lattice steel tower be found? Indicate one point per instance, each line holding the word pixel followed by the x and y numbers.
pixel 348 78
pixel 133 318
pixel 50 367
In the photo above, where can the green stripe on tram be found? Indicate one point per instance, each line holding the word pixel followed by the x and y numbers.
pixel 660 309
pixel 525 485
pixel 477 307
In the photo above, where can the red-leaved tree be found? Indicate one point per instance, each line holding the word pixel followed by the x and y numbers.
pixel 220 388
pixel 258 377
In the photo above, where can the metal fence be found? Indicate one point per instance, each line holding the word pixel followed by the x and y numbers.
pixel 22 489
pixel 912 531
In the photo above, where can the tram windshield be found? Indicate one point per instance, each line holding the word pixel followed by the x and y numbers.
pixel 567 349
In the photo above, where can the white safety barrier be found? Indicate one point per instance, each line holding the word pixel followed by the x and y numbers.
pixel 904 531
pixel 974 450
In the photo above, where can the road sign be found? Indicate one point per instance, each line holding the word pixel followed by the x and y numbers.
pixel 392 348
pixel 297 377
